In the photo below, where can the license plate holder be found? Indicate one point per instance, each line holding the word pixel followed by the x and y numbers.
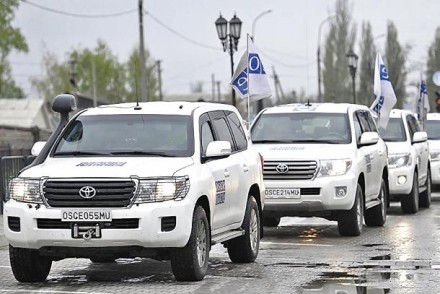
pixel 287 193
pixel 86 231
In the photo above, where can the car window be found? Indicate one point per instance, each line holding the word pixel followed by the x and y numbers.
pixel 363 120
pixel 206 136
pixel 412 128
pixel 222 130
pixel 395 131
pixel 237 130
pixel 371 122
pixel 433 129
pixel 302 127
pixel 357 128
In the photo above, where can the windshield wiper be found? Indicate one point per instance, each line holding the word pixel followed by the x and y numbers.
pixel 148 153
pixel 75 153
pixel 393 140
pixel 272 141
pixel 320 141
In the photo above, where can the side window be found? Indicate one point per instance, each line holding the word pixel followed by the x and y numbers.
pixel 361 115
pixel 412 125
pixel 237 130
pixel 371 123
pixel 222 130
pixel 357 128
pixel 206 136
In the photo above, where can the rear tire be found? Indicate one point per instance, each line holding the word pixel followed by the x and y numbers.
pixel 28 266
pixel 350 222
pixel 377 215
pixel 271 221
pixel 244 249
pixel 425 196
pixel 190 263
pixel 410 202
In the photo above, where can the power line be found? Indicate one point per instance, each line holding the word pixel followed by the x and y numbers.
pixel 77 14
pixel 179 34
pixel 285 64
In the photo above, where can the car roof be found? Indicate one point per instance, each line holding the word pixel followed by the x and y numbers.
pixel 159 107
pixel 433 116
pixel 396 113
pixel 315 107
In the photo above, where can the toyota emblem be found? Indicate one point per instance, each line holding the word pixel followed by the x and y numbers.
pixel 87 192
pixel 282 168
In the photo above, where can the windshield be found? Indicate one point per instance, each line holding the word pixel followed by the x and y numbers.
pixel 310 127
pixel 120 135
pixel 395 131
pixel 433 129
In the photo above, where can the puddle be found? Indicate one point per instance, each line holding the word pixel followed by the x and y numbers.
pixel 331 287
pixel 299 264
pixel 68 279
pixel 373 245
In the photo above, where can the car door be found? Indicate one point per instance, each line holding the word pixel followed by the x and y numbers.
pixel 233 165
pixel 217 171
pixel 420 148
pixel 368 154
pixel 379 158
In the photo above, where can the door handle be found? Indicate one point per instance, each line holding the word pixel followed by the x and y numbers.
pixel 227 174
pixel 245 168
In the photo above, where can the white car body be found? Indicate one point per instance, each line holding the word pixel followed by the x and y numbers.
pixel 314 195
pixel 433 130
pixel 406 156
pixel 221 185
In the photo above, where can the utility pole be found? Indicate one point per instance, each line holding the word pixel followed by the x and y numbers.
pixel 95 103
pixel 213 87
pixel 159 79
pixel 143 79
pixel 218 92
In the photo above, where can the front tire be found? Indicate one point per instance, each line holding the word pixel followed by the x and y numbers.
pixel 425 196
pixel 377 215
pixel 244 249
pixel 28 265
pixel 350 222
pixel 410 202
pixel 190 263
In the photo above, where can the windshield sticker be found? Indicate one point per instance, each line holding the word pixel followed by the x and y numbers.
pixel 220 190
pixel 287 148
pixel 92 163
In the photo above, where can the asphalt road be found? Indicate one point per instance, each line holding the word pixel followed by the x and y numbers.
pixel 302 255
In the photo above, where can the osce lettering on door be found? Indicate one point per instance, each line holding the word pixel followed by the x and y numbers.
pixel 220 192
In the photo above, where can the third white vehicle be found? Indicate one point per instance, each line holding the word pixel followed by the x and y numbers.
pixel 433 130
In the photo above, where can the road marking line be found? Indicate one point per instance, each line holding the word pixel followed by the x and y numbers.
pixel 297 244
pixel 49 291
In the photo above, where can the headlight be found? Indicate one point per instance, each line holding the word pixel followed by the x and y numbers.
pixel 435 155
pixel 335 167
pixel 399 160
pixel 162 189
pixel 25 190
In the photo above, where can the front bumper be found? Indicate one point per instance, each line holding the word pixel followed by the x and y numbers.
pixel 325 198
pixel 406 172
pixel 148 233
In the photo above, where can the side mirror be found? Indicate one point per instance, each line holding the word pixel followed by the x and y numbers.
pixel 64 103
pixel 420 137
pixel 369 138
pixel 218 149
pixel 38 146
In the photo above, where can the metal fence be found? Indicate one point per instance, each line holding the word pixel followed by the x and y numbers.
pixel 10 166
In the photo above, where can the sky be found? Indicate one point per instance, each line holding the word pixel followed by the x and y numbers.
pixel 182 34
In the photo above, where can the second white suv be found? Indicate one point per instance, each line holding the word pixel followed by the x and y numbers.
pixel 408 159
pixel 324 160
pixel 433 130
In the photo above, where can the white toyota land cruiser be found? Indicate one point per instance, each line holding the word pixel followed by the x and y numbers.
pixel 324 160
pixel 433 130
pixel 164 180
pixel 408 159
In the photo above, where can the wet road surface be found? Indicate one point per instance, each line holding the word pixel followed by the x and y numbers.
pixel 302 255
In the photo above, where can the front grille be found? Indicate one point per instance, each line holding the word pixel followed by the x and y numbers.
pixel 109 193
pixel 297 170
pixel 122 223
pixel 310 191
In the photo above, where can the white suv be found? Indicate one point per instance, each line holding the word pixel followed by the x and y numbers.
pixel 408 159
pixel 163 180
pixel 324 160
pixel 433 130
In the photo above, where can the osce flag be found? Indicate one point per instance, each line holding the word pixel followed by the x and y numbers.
pixel 422 101
pixel 385 98
pixel 250 79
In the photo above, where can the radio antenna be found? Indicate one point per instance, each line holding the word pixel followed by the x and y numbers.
pixel 137 107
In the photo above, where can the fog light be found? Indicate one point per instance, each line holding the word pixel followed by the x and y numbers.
pixel 401 180
pixel 341 191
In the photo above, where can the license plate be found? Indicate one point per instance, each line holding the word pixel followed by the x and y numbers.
pixel 86 215
pixel 294 193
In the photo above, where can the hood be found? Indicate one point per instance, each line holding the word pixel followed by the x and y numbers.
pixel 106 167
pixel 398 147
pixel 303 151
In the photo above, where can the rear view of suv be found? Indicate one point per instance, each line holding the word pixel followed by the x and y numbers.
pixel 324 160
pixel 408 159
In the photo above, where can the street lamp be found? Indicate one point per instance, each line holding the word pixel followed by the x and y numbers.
pixel 318 53
pixel 255 21
pixel 229 40
pixel 352 59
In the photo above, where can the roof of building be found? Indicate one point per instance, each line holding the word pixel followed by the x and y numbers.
pixel 24 113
